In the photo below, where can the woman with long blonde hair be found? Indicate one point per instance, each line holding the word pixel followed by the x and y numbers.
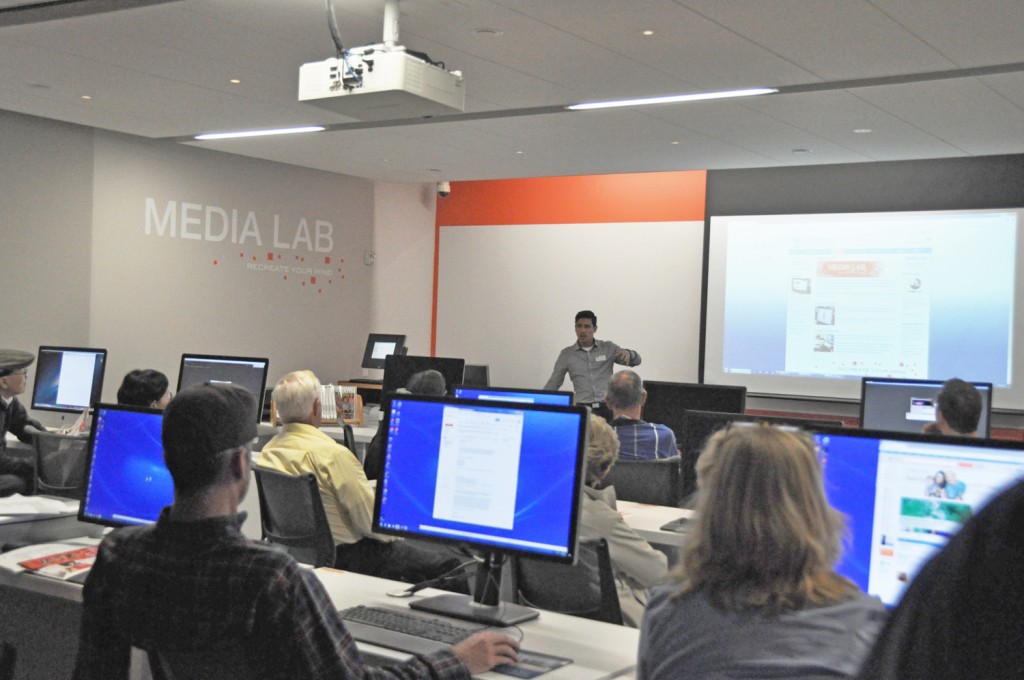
pixel 757 594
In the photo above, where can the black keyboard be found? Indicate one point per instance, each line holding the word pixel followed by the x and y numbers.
pixel 399 629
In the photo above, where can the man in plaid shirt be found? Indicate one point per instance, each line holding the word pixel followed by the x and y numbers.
pixel 193 583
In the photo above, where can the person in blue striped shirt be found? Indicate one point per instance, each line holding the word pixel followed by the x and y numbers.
pixel 638 440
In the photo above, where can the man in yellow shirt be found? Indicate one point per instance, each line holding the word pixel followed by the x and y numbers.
pixel 301 447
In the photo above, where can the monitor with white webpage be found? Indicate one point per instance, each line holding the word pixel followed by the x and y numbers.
pixel 249 372
pixel 904 405
pixel 68 379
pixel 379 346
pixel 905 495
pixel 516 394
pixel 126 481
pixel 498 478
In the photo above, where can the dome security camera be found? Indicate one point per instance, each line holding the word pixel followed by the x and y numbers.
pixel 443 189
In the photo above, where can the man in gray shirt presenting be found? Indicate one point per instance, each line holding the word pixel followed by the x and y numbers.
pixel 589 363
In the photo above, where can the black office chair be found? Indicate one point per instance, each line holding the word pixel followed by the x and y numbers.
pixel 8 655
pixel 60 464
pixel 292 514
pixel 224 661
pixel 585 589
pixel 350 438
pixel 656 482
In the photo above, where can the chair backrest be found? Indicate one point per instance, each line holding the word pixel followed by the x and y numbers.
pixel 8 655
pixel 647 481
pixel 585 589
pixel 350 438
pixel 60 464
pixel 223 661
pixel 292 514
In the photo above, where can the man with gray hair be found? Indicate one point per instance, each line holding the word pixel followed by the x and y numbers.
pixel 194 585
pixel 638 440
pixel 301 447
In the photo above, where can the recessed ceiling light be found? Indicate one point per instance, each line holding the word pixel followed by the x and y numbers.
pixel 673 142
pixel 673 99
pixel 519 152
pixel 801 150
pixel 647 32
pixel 259 133
pixel 85 96
pixel 861 131
pixel 235 81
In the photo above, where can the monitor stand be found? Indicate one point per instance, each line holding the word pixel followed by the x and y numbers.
pixel 485 606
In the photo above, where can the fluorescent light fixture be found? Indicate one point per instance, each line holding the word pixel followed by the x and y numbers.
pixel 673 99
pixel 260 133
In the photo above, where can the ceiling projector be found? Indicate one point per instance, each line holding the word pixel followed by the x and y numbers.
pixel 381 82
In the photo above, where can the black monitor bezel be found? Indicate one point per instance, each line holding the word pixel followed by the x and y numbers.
pixel 444 365
pixel 486 548
pixel 225 357
pixel 987 413
pixel 97 386
pixel 90 450
pixel 520 390
pixel 675 422
pixel 372 339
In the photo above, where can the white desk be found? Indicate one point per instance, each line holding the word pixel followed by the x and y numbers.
pixel 598 650
pixel 647 521
pixel 42 615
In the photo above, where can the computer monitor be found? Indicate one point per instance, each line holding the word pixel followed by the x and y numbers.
pixel 699 425
pixel 379 346
pixel 476 375
pixel 249 372
pixel 498 478
pixel 68 379
pixel 903 405
pixel 904 495
pixel 516 394
pixel 668 401
pixel 399 368
pixel 126 481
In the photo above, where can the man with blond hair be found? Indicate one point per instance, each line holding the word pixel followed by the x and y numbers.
pixel 301 447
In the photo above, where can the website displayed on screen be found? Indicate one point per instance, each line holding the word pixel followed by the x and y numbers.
pixel 808 304
pixel 904 498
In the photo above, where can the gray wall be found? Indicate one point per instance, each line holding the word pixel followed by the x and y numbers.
pixel 120 242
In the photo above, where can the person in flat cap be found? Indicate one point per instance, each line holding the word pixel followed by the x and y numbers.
pixel 219 592
pixel 16 476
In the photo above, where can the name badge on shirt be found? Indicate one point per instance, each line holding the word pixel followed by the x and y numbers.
pixel 601 358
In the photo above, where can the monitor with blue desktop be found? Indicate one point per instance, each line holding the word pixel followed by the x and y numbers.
pixel 68 379
pixel 905 405
pixel 249 372
pixel 126 481
pixel 516 394
pixel 498 478
pixel 904 496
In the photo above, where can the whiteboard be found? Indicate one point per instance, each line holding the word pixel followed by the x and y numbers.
pixel 507 295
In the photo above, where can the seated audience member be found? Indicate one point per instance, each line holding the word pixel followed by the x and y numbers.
pixel 16 475
pixel 957 409
pixel 637 440
pixel 301 447
pixel 193 582
pixel 961 616
pixel 758 595
pixel 636 564
pixel 144 387
pixel 429 383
